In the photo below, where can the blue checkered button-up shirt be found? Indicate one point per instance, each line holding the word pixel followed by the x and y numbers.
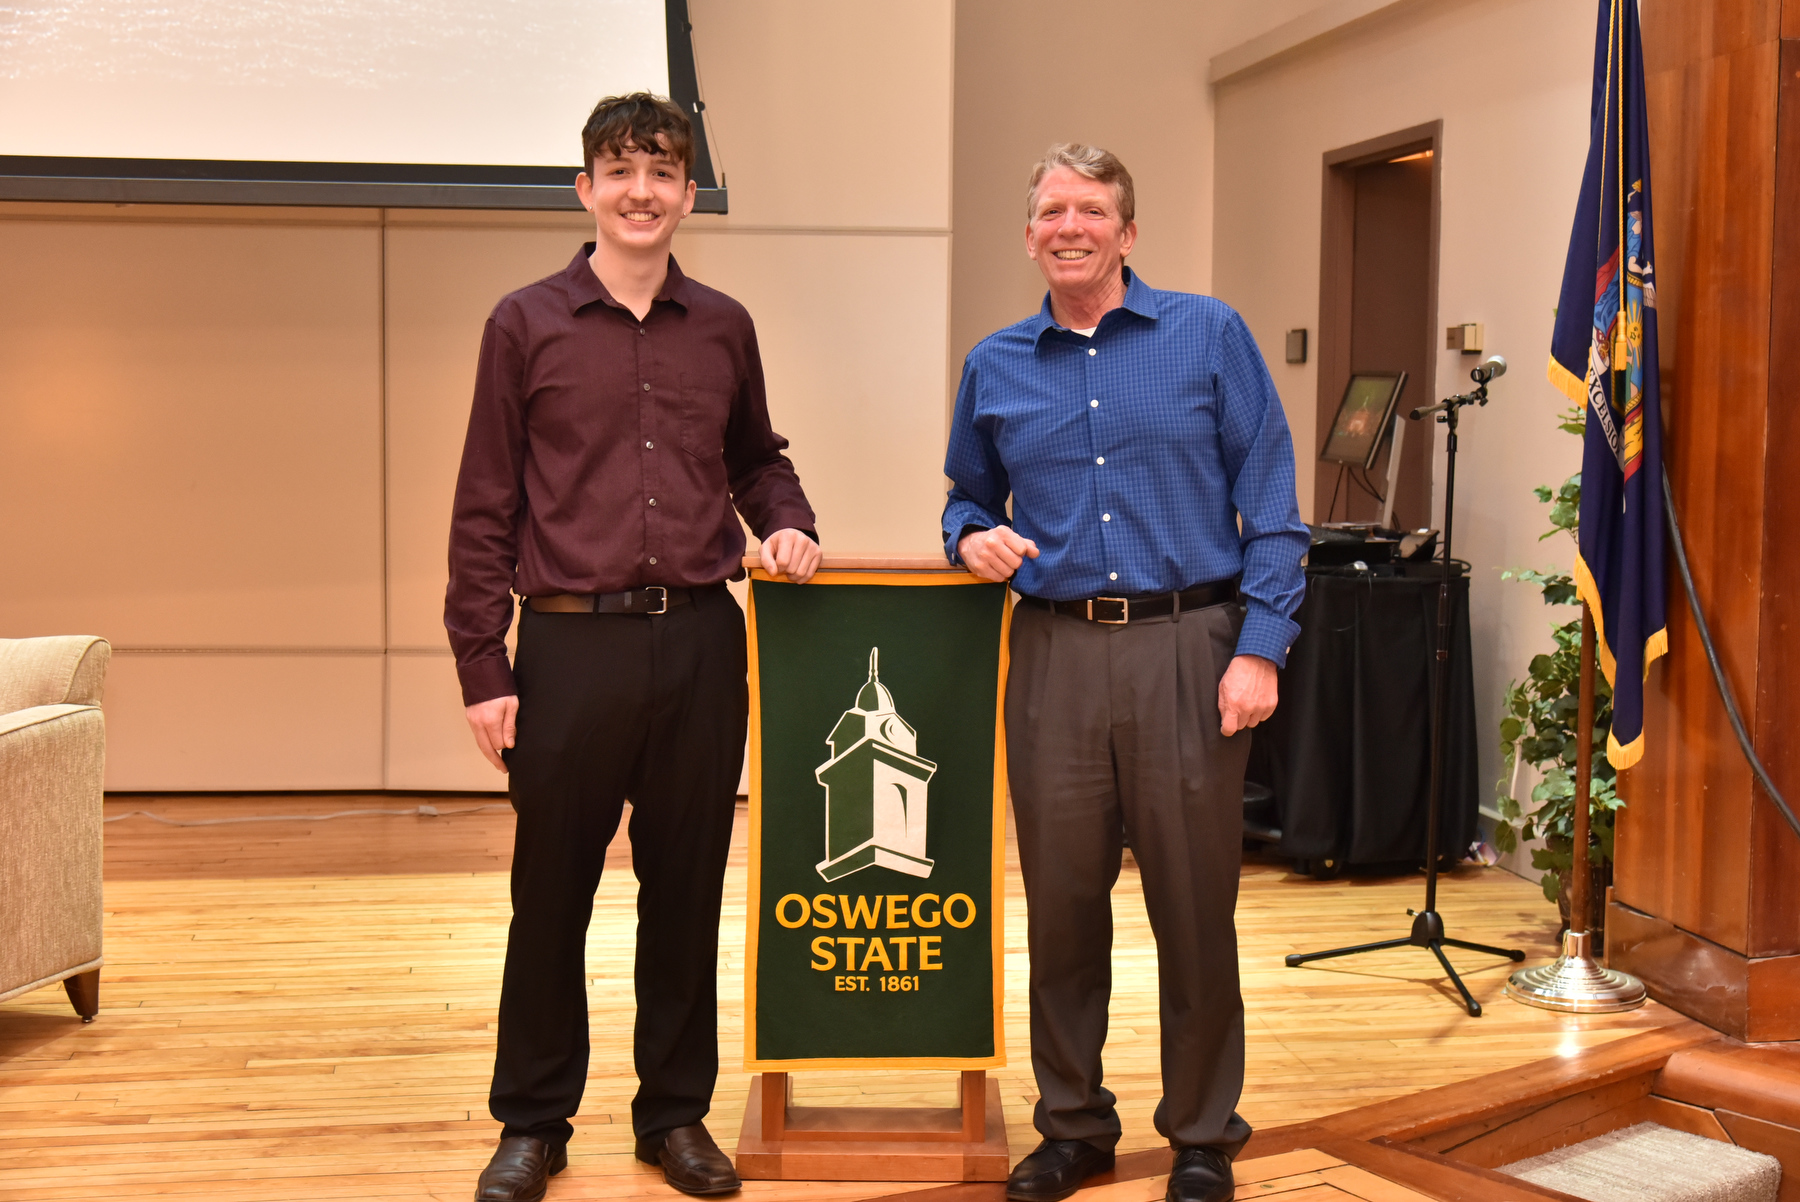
pixel 1148 458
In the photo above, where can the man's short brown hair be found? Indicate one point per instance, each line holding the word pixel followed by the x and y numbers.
pixel 639 121
pixel 1101 166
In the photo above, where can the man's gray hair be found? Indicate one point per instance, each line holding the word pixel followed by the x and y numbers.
pixel 1101 166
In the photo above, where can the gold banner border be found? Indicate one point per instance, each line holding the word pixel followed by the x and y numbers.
pixel 997 874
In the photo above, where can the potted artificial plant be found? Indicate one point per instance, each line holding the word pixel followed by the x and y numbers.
pixel 1538 725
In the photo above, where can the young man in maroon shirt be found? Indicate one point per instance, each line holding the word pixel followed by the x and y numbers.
pixel 619 416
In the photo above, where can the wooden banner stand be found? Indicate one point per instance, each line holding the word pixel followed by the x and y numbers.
pixel 783 1142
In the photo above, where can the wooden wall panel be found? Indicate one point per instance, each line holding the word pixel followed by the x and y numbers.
pixel 1685 843
pixel 1708 876
pixel 1686 31
pixel 1775 868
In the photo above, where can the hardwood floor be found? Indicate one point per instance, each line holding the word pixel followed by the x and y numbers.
pixel 304 1009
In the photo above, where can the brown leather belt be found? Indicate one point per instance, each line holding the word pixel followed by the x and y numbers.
pixel 652 600
pixel 1117 611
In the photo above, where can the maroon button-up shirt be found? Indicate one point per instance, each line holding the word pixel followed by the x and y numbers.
pixel 605 454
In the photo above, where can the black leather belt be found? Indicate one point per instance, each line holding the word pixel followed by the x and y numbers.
pixel 1117 611
pixel 652 600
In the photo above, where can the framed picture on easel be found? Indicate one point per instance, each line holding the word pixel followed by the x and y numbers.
pixel 1363 417
pixel 1359 431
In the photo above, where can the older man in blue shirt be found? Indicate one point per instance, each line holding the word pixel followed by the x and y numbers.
pixel 1155 542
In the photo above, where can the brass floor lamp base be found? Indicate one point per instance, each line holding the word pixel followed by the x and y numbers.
pixel 1575 983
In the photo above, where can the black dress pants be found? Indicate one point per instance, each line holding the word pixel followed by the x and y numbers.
pixel 617 707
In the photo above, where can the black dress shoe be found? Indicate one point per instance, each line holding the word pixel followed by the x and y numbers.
pixel 1056 1169
pixel 520 1170
pixel 691 1161
pixel 1200 1175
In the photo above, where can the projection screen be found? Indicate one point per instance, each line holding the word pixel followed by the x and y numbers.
pixel 397 103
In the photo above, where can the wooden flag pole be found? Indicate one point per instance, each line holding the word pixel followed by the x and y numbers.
pixel 1581 905
pixel 1575 982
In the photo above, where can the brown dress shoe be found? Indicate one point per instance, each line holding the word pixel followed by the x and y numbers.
pixel 691 1161
pixel 520 1170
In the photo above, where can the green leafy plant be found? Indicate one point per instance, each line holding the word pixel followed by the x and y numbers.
pixel 1540 717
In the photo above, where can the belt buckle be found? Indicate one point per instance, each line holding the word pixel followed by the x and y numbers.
pixel 1124 604
pixel 664 598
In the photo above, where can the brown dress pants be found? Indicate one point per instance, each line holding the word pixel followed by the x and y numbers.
pixel 1114 731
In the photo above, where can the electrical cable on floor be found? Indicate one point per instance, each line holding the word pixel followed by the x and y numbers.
pixel 424 811
pixel 1712 658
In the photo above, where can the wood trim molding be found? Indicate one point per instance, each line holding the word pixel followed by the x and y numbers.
pixel 1392 1140
pixel 1751 998
pixel 875 563
pixel 1337 246
pixel 1440 1176
pixel 1376 150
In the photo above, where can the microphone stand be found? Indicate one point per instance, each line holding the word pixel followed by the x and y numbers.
pixel 1428 924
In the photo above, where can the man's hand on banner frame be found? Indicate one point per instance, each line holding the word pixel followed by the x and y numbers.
pixel 995 554
pixel 792 554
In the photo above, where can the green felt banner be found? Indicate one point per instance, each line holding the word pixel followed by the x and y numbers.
pixel 876 795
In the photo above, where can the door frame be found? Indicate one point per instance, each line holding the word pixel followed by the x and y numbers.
pixel 1337 250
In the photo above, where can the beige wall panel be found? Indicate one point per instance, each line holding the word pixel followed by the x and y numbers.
pixel 852 330
pixel 1515 139
pixel 829 112
pixel 230 722
pixel 429 745
pixel 441 285
pixel 854 373
pixel 192 447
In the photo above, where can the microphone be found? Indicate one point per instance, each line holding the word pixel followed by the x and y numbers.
pixel 1492 368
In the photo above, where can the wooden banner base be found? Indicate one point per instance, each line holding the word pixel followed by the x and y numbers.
pixel 783 1142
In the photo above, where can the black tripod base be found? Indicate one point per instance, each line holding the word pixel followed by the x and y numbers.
pixel 1427 932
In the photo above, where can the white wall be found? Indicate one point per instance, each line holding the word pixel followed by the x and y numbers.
pixel 1133 80
pixel 1511 80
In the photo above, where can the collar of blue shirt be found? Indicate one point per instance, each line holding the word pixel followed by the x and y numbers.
pixel 1140 299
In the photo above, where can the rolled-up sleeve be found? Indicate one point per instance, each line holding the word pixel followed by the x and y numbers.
pixel 485 519
pixel 978 481
pixel 1259 462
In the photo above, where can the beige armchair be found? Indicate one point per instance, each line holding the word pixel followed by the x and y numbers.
pixel 52 760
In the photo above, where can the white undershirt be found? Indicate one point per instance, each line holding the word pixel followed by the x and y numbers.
pixel 1087 333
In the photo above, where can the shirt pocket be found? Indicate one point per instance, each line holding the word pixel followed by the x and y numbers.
pixel 705 407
